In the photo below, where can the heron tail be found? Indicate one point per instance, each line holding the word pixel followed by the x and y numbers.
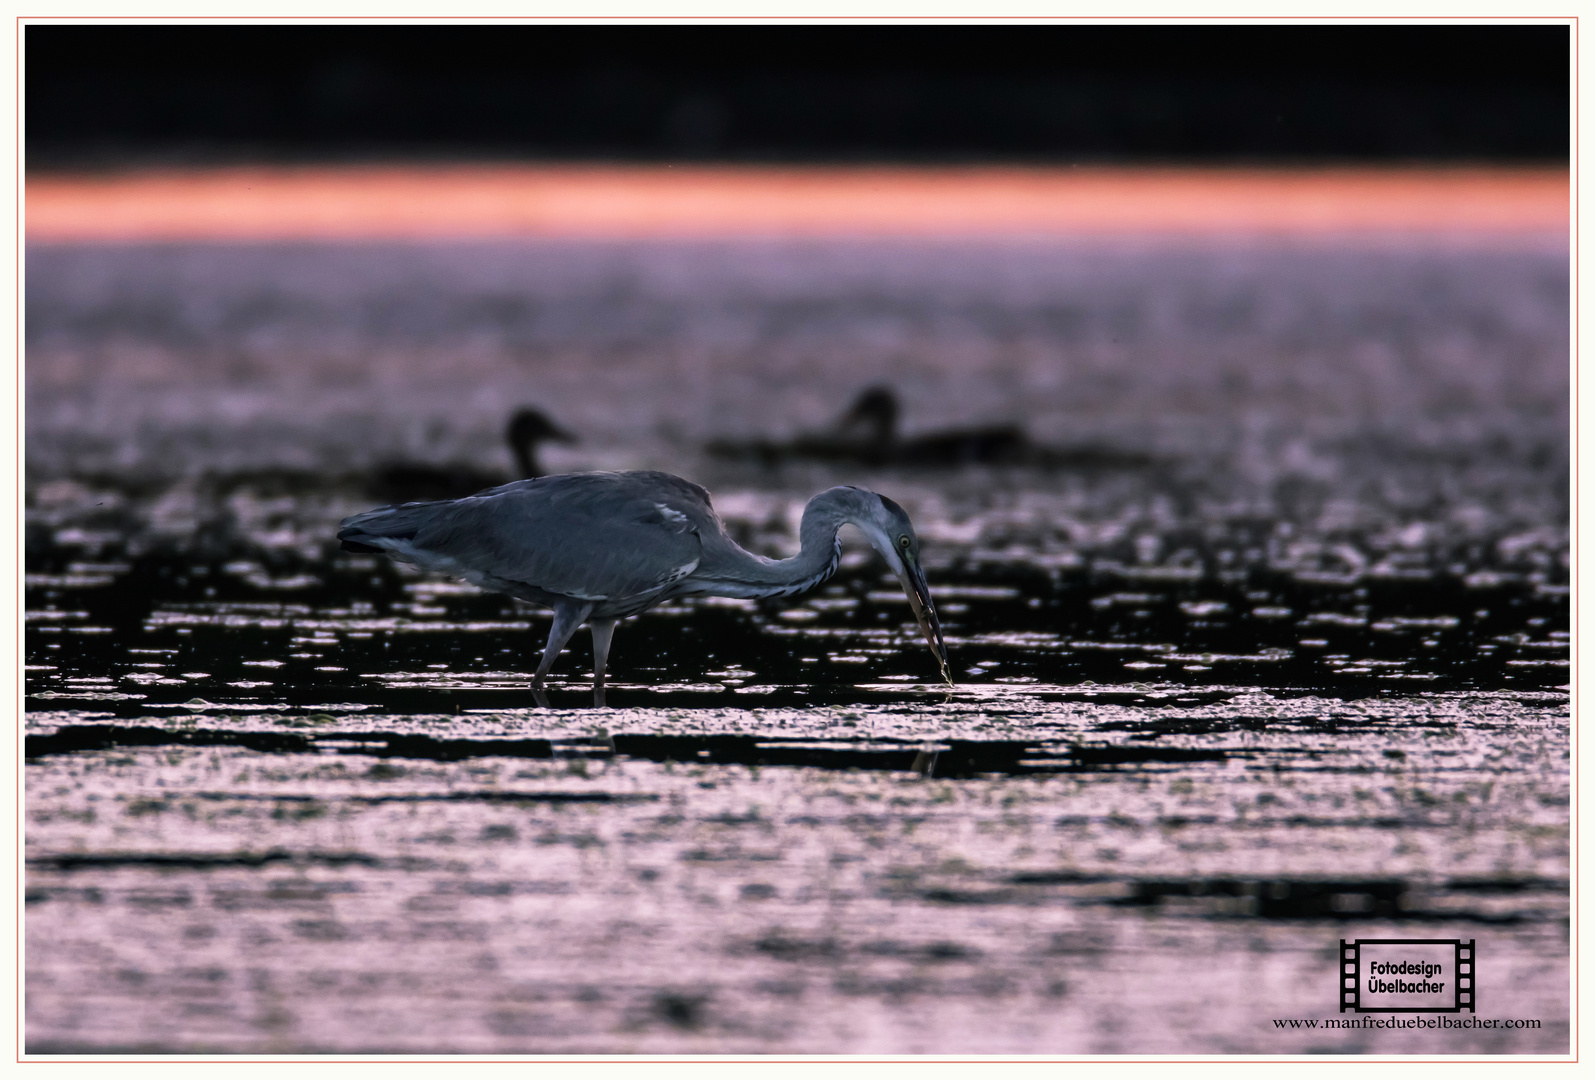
pixel 366 533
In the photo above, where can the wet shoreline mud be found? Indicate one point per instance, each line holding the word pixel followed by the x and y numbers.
pixel 1280 658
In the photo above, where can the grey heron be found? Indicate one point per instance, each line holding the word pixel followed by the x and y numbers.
pixel 403 480
pixel 598 547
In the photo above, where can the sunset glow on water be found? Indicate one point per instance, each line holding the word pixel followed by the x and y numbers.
pixel 482 201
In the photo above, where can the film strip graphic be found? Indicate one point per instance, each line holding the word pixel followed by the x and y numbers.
pixel 1407 975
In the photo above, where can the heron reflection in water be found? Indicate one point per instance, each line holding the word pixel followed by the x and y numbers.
pixel 598 547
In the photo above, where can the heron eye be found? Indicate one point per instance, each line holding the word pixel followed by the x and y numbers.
pixel 903 542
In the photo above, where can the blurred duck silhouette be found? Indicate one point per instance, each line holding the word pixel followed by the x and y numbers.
pixel 874 416
pixel 408 481
pixel 867 435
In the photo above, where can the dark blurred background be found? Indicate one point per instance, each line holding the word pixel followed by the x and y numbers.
pixel 100 94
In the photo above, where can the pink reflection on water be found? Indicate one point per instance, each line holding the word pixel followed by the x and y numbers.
pixel 465 201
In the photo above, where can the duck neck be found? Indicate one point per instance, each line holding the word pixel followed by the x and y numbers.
pixel 526 459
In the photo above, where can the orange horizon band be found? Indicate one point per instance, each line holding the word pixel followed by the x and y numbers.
pixel 504 201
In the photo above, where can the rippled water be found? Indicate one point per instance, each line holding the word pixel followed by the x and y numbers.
pixel 1288 665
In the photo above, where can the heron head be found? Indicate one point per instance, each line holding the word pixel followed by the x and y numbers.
pixel 889 531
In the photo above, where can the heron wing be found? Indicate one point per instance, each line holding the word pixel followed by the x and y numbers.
pixel 597 536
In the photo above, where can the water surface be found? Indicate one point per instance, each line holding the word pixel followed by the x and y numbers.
pixel 1282 660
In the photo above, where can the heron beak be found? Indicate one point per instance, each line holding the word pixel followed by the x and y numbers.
pixel 918 592
pixel 559 434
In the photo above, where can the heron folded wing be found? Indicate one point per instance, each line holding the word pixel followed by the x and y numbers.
pixel 592 541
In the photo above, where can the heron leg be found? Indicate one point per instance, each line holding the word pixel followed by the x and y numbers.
pixel 567 617
pixel 603 631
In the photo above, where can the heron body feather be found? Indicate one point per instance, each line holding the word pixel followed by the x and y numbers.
pixel 606 538
pixel 597 547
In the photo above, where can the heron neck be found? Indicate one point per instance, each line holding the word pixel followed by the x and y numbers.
pixel 748 575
